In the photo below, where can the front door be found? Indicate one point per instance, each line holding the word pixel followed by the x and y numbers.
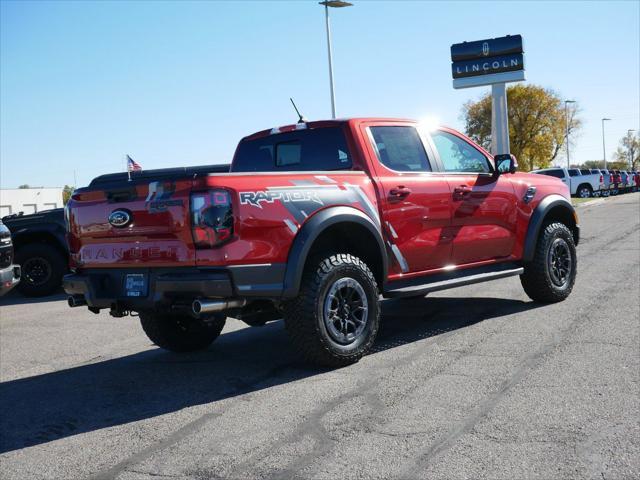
pixel 483 205
pixel 415 203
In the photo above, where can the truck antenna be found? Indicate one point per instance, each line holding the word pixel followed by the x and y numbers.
pixel 301 118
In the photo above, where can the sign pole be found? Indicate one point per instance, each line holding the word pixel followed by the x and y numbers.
pixel 499 120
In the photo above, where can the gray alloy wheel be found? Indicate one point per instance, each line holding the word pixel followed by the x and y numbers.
pixel 346 310
pixel 584 192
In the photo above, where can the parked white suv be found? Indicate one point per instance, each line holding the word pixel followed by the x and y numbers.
pixel 580 185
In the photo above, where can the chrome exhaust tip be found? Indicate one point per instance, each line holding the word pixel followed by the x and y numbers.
pixel 213 306
pixel 76 301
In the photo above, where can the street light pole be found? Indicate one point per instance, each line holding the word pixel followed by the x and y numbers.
pixel 629 147
pixel 604 150
pixel 566 122
pixel 333 4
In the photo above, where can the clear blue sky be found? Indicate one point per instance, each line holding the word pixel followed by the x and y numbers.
pixel 177 83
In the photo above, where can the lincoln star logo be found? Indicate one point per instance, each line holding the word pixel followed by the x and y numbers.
pixel 485 48
pixel 120 218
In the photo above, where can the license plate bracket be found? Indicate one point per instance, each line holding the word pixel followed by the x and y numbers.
pixel 136 285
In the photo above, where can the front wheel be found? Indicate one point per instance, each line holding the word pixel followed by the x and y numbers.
pixel 181 333
pixel 335 318
pixel 550 276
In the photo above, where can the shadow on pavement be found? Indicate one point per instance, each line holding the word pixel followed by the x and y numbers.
pixel 15 298
pixel 117 391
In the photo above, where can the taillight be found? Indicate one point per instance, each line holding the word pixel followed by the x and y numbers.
pixel 610 178
pixel 211 218
pixel 601 178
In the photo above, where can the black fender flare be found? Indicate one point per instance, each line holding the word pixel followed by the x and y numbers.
pixel 538 216
pixel 312 229
pixel 45 230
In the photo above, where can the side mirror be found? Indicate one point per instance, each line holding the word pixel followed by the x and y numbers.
pixel 505 163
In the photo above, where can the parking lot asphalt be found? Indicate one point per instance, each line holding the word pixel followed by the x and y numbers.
pixel 476 382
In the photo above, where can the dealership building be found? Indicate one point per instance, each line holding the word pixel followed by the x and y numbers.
pixel 29 200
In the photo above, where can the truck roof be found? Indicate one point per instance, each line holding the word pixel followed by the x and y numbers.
pixel 322 124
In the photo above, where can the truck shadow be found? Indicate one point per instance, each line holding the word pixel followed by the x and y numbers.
pixel 118 391
pixel 16 298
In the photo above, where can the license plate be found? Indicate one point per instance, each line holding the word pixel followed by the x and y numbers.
pixel 135 285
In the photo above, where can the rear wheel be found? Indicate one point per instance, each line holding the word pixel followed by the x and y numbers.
pixel 42 268
pixel 181 333
pixel 585 191
pixel 550 276
pixel 335 318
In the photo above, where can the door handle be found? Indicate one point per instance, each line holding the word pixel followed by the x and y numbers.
pixel 459 193
pixel 399 192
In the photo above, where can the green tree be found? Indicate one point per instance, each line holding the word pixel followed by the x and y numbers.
pixel 628 151
pixel 23 186
pixel 67 191
pixel 537 124
pixel 600 164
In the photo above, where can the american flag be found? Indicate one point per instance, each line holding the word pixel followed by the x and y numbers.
pixel 132 166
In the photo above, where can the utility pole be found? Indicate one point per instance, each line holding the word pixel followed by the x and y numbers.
pixel 629 139
pixel 604 149
pixel 566 122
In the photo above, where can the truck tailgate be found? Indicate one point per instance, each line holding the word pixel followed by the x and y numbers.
pixel 129 225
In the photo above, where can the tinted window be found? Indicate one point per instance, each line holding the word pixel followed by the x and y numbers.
pixel 300 150
pixel 585 172
pixel 400 149
pixel 594 171
pixel 574 172
pixel 553 173
pixel 458 155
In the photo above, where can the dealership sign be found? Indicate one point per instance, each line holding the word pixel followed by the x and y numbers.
pixel 487 62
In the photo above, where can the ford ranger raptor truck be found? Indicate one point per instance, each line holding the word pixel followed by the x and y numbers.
pixel 314 223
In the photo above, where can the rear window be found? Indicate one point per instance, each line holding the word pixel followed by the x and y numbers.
pixel 300 150
pixel 574 172
pixel 585 172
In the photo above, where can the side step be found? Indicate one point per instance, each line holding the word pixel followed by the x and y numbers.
pixel 444 281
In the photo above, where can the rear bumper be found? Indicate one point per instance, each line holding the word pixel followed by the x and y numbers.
pixel 9 278
pixel 104 288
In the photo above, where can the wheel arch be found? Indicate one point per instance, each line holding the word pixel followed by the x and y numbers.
pixel 551 208
pixel 327 230
pixel 47 236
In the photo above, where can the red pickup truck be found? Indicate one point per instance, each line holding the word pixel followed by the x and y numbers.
pixel 313 223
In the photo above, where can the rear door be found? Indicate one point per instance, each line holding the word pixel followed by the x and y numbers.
pixel 483 206
pixel 415 202
pixel 137 224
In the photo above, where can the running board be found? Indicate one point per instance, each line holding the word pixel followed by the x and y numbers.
pixel 460 279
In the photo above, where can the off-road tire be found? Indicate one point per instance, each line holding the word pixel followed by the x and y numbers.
pixel 304 315
pixel 47 264
pixel 537 279
pixel 181 333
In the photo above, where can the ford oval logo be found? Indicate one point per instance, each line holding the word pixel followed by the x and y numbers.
pixel 120 218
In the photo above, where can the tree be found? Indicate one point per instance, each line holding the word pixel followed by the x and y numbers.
pixel 537 125
pixel 628 151
pixel 67 191
pixel 600 164
pixel 23 186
